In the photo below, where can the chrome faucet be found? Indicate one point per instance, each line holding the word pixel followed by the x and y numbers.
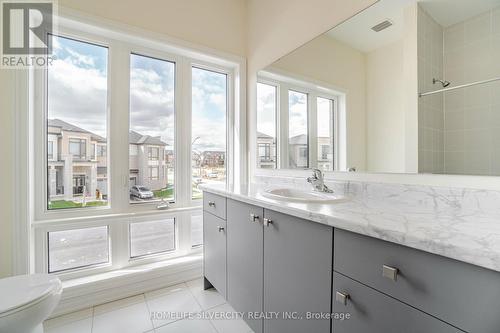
pixel 317 182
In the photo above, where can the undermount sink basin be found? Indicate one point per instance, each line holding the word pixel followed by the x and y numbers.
pixel 290 194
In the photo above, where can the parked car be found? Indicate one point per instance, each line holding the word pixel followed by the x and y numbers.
pixel 141 192
pixel 212 175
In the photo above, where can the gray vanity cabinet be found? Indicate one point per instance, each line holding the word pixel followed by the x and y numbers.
pixel 373 312
pixel 297 272
pixel 458 293
pixel 214 239
pixel 245 259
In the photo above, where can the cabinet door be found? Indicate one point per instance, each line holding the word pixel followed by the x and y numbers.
pixel 297 273
pixel 214 245
pixel 244 259
pixel 374 312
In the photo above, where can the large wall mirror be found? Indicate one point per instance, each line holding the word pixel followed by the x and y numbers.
pixel 404 87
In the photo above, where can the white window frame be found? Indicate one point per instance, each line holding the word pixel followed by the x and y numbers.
pixel 121 42
pixel 280 121
pixel 285 82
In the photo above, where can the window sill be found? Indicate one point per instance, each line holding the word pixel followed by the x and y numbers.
pixel 96 289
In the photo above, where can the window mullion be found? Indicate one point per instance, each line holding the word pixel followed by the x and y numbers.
pixel 312 124
pixel 183 123
pixel 119 148
pixel 283 127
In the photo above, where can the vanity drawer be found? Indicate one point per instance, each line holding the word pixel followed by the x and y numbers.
pixel 461 294
pixel 214 204
pixel 374 312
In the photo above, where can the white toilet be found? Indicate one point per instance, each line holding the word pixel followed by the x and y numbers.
pixel 26 301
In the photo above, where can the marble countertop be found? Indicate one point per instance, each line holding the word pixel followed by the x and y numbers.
pixel 458 224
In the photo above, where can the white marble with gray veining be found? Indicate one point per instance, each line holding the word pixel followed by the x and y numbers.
pixel 463 224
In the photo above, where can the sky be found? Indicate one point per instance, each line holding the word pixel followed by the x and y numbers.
pixel 266 109
pixel 297 122
pixel 77 93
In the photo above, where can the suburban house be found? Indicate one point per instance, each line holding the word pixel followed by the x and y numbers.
pixel 298 151
pixel 77 162
pixel 266 151
pixel 148 159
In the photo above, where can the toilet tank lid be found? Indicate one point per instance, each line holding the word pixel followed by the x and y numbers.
pixel 19 290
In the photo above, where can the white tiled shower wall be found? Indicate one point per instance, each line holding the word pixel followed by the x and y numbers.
pixel 459 133
pixel 430 108
pixel 472 115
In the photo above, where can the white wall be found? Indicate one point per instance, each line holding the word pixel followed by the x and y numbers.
pixel 385 109
pixel 328 60
pixel 219 24
pixel 6 153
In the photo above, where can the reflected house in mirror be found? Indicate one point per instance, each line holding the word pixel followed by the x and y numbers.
pixel 413 87
pixel 266 148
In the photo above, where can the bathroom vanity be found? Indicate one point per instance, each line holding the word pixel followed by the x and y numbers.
pixel 298 267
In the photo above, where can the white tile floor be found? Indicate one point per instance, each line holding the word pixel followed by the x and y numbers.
pixel 133 314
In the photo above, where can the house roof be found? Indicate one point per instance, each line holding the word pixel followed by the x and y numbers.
pixel 139 139
pixel 298 140
pixel 72 128
pixel 134 137
pixel 261 135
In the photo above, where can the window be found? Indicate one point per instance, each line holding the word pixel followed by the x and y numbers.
pixel 325 133
pixel 153 173
pixel 153 237
pixel 76 86
pixel 50 150
pixel 153 153
pixel 73 139
pixel 78 148
pixel 297 130
pixel 152 124
pixel 77 248
pixel 101 151
pixel 266 125
pixel 208 142
pixel 133 150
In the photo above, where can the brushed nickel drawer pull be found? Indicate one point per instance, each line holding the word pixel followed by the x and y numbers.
pixel 390 272
pixel 267 222
pixel 342 297
pixel 221 229
pixel 211 204
pixel 254 217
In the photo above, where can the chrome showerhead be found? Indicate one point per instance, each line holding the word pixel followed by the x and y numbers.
pixel 443 83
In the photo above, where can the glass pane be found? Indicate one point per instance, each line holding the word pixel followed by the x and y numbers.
pixel 209 108
pixel 152 237
pixel 78 248
pixel 152 129
pixel 297 130
pixel 266 126
pixel 325 134
pixel 76 113
pixel 196 230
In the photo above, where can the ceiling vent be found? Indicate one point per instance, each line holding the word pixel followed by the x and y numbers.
pixel 382 25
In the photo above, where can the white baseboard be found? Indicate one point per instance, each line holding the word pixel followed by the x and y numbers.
pixel 102 288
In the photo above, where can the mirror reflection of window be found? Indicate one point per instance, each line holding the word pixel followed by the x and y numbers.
pixel 266 126
pixel 325 134
pixel 297 130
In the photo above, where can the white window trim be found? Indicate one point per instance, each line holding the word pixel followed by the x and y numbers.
pixel 284 82
pixel 41 221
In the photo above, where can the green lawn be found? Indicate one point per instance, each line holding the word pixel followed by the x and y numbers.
pixel 61 204
pixel 164 193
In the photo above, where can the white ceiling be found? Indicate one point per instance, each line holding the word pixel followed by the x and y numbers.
pixel 357 32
